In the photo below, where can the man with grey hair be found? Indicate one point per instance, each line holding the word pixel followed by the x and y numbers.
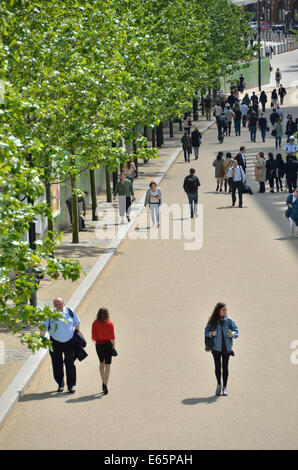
pixel 62 336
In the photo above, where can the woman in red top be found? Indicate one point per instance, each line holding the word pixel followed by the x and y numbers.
pixel 104 336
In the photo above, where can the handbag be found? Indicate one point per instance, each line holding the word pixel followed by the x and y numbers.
pixel 288 213
pixel 209 342
pixel 267 129
pixel 274 132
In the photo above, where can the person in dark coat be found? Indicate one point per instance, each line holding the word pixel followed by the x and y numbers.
pixel 186 145
pixel 240 157
pixel 274 116
pixel 282 93
pixel 262 122
pixel 83 201
pixel 292 203
pixel 291 167
pixel 190 186
pixel 291 127
pixel 263 100
pixel 271 175
pixel 280 169
pixel 246 99
pixel 196 140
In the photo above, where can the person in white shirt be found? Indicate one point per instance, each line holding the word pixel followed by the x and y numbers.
pixel 238 178
pixel 291 149
pixel 153 198
pixel 230 114
pixel 244 109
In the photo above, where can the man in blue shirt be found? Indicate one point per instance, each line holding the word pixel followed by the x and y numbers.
pixel 238 178
pixel 62 336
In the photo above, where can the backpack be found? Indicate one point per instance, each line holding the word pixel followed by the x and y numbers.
pixel 191 185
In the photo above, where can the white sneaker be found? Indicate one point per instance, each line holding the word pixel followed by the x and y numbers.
pixel 224 392
pixel 218 390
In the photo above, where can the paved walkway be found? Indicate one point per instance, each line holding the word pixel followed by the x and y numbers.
pixel 160 298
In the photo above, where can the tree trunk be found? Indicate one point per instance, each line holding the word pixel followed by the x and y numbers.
pixel 108 186
pixel 75 212
pixel 171 129
pixel 93 194
pixel 162 141
pixel 180 124
pixel 135 158
pixel 49 204
pixel 153 137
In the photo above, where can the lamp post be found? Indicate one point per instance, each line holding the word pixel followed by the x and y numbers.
pixel 259 44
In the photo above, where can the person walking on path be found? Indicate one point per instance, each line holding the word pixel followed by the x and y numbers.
pixel 238 178
pixel 237 119
pixel 190 186
pixel 186 145
pixel 129 170
pixel 196 140
pixel 219 170
pixel 280 169
pixel 274 116
pixel 246 99
pixel 222 126
pixel 228 162
pixel 260 171
pixel 263 100
pixel 187 124
pixel 208 106
pixel 291 167
pixel 277 77
pixel 62 336
pixel 254 98
pixel 282 93
pixel 271 174
pixel 291 149
pixel 280 113
pixel 277 133
pixel 291 127
pixel 230 114
pixel 222 329
pixel 104 336
pixel 124 190
pixel 292 212
pixel 262 123
pixel 252 125
pixel 244 111
pixel 241 159
pixel 154 199
pixel 274 98
pixel 217 112
pixel 83 201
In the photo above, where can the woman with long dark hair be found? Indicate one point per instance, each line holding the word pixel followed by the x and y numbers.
pixel 104 337
pixel 222 329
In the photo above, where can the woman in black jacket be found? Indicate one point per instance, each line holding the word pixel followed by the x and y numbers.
pixel 280 170
pixel 271 172
pixel 263 100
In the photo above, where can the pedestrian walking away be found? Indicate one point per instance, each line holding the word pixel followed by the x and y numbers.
pixel 228 162
pixel 238 178
pixel 274 116
pixel 280 170
pixel 124 190
pixel 262 123
pixel 222 126
pixel 252 125
pixel 196 141
pixel 291 127
pixel 282 93
pixel 154 199
pixel 229 114
pixel 186 145
pixel 187 123
pixel 260 171
pixel 277 132
pixel 271 172
pixel 63 344
pixel 208 106
pixel 291 167
pixel 263 100
pixel 237 119
pixel 219 334
pixel 274 98
pixel 219 170
pixel 277 77
pixel 244 111
pixel 104 336
pixel 129 170
pixel 292 212
pixel 190 186
pixel 241 159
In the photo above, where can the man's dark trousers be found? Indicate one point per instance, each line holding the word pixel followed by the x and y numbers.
pixel 68 349
pixel 237 185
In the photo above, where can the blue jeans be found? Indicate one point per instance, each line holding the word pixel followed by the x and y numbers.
pixel 263 132
pixel 253 131
pixel 196 152
pixel 154 209
pixel 193 203
pixel 237 127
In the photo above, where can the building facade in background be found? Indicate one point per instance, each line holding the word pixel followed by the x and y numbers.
pixel 274 11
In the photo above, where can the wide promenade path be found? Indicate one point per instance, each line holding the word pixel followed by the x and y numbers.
pixel 160 297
